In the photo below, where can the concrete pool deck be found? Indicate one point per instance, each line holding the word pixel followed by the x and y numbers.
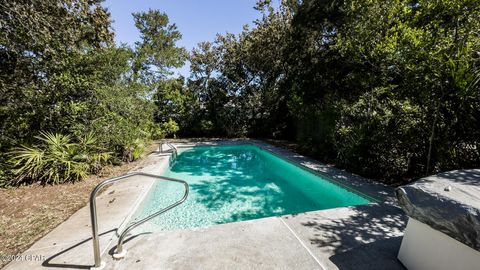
pixel 357 237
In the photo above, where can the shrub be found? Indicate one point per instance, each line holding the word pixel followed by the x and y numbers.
pixel 56 159
pixel 133 150
pixel 170 128
pixel 380 136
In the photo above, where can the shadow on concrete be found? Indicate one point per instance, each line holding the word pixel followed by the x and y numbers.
pixel 380 254
pixel 365 237
pixel 468 177
pixel 48 261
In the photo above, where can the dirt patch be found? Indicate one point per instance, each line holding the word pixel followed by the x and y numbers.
pixel 27 213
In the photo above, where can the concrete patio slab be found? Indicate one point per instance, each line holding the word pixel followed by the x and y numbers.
pixel 357 237
pixel 255 244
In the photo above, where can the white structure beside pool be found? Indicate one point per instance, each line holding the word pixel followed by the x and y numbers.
pixel 443 230
pixel 424 248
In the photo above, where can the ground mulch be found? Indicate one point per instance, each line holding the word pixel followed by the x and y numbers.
pixel 27 213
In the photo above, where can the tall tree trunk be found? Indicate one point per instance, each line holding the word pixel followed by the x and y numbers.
pixel 432 134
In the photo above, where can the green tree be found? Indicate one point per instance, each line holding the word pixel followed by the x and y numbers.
pixel 388 89
pixel 35 49
pixel 33 45
pixel 157 52
pixel 66 77
pixel 388 82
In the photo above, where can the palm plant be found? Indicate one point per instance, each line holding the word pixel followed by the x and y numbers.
pixel 58 159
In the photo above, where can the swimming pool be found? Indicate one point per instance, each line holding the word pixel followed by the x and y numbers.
pixel 238 182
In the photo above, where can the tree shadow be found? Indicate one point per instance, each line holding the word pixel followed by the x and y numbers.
pixel 242 184
pixel 380 254
pixel 264 199
pixel 467 177
pixel 360 237
pixel 222 161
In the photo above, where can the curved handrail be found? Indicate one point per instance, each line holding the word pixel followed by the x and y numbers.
pixel 93 214
pixel 174 149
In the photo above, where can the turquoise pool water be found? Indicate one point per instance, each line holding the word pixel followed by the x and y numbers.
pixel 234 183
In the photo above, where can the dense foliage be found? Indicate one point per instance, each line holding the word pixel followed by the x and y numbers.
pixel 62 78
pixel 389 89
pixel 398 97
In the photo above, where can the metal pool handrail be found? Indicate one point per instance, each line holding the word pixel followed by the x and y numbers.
pixel 120 252
pixel 173 149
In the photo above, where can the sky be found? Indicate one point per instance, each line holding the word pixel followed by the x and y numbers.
pixel 197 20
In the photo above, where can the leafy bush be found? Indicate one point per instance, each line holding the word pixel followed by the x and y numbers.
pixel 133 150
pixel 379 134
pixel 170 128
pixel 56 159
